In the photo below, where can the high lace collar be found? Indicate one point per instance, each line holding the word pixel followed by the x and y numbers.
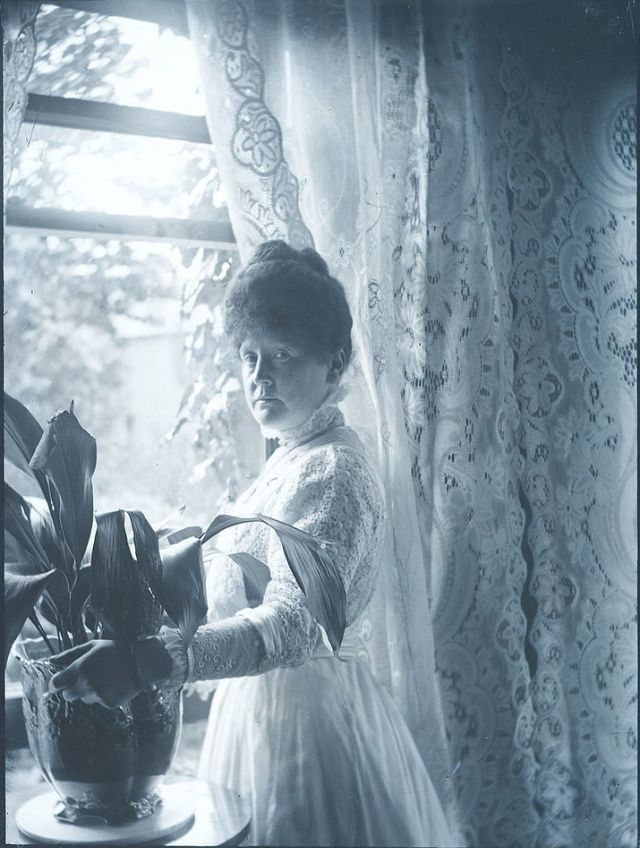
pixel 325 417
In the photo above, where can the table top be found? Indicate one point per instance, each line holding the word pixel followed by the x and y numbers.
pixel 221 816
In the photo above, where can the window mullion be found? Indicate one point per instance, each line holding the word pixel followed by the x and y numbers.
pixel 193 232
pixel 95 116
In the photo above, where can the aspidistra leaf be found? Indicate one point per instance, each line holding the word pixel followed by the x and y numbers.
pixel 79 597
pixel 20 540
pixel 21 436
pixel 255 574
pixel 54 546
pixel 120 595
pixel 317 576
pixel 21 593
pixel 25 555
pixel 172 535
pixel 147 559
pixel 223 522
pixel 183 590
pixel 314 571
pixel 66 454
pixel 162 528
pixel 17 559
pixel 56 601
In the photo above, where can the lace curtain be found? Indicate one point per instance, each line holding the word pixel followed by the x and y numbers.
pixel 252 132
pixel 18 54
pixel 469 174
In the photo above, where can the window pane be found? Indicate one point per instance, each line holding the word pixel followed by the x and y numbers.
pixel 133 63
pixel 100 323
pixel 107 172
pixel 105 324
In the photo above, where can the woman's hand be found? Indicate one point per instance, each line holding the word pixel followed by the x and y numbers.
pixel 99 672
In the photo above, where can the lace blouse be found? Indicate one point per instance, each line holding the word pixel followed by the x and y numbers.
pixel 320 480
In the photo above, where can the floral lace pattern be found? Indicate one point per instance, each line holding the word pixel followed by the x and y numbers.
pixel 257 137
pixel 18 54
pixel 322 419
pixel 475 192
pixel 228 648
pixel 324 486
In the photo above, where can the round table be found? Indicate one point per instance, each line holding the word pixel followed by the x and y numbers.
pixel 221 817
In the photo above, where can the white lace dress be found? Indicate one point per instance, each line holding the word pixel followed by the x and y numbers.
pixel 312 740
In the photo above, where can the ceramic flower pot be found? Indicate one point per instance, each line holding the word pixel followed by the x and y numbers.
pixel 102 762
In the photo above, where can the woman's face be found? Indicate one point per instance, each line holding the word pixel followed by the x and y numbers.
pixel 283 383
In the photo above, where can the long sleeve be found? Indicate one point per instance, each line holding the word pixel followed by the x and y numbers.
pixel 330 492
pixel 231 647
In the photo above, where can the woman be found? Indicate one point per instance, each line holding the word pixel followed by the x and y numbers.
pixel 312 740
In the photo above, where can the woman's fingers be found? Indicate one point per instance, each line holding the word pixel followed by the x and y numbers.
pixel 73 686
pixel 68 656
pixel 98 673
pixel 63 679
pixel 78 692
pixel 73 693
pixel 68 661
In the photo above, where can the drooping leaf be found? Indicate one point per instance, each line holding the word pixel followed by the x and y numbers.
pixel 120 595
pixel 223 522
pixel 183 592
pixel 21 436
pixel 66 454
pixel 25 555
pixel 56 601
pixel 255 573
pixel 172 535
pixel 33 618
pixel 318 578
pixel 162 528
pixel 314 571
pixel 79 597
pixel 147 558
pixel 21 593
pixel 54 546
pixel 49 611
pixel 21 543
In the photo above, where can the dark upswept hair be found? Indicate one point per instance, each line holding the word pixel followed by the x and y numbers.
pixel 289 291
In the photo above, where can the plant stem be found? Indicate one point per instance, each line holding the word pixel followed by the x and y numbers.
pixel 36 621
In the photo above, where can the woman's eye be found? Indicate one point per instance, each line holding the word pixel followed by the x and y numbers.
pixel 282 355
pixel 249 358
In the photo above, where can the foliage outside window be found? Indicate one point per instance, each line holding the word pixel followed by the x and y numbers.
pixel 130 331
pixel 98 287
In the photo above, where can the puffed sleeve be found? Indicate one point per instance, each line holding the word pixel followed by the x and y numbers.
pixel 331 493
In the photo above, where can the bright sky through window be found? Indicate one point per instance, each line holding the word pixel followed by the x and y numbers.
pixel 99 321
pixel 164 73
pixel 87 171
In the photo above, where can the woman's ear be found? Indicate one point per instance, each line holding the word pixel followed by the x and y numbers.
pixel 337 366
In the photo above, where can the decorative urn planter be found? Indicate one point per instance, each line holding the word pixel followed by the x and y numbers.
pixel 102 762
pixel 106 763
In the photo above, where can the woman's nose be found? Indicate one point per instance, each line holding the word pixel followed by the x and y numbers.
pixel 261 374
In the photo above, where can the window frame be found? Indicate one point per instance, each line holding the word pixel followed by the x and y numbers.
pixel 213 233
pixel 86 114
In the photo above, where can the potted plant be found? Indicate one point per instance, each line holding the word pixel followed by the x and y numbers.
pixel 77 576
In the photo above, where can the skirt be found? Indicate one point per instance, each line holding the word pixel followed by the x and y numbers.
pixel 324 757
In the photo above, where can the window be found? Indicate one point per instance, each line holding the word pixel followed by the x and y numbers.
pixel 117 249
pixel 114 211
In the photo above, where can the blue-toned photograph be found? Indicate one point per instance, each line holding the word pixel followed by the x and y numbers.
pixel 320 422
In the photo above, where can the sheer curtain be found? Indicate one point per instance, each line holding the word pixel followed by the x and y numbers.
pixel 472 182
pixel 306 126
pixel 18 54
